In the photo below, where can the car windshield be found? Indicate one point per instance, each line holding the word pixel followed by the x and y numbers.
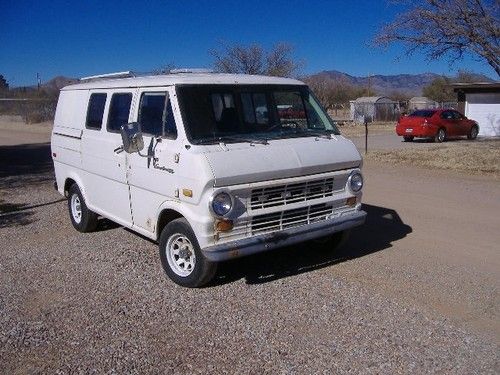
pixel 251 113
pixel 423 113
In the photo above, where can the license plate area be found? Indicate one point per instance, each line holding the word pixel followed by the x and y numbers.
pixel 409 130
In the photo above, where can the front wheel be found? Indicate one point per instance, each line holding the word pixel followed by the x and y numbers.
pixel 473 133
pixel 440 136
pixel 82 218
pixel 181 256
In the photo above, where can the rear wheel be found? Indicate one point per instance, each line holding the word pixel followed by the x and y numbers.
pixel 82 218
pixel 473 133
pixel 440 136
pixel 181 256
pixel 408 138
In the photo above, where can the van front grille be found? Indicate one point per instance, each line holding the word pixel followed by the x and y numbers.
pixel 297 192
pixel 290 218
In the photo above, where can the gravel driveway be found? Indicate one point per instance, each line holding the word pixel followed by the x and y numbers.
pixel 100 302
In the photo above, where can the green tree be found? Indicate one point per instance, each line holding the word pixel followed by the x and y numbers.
pixel 440 90
pixel 3 83
pixel 448 29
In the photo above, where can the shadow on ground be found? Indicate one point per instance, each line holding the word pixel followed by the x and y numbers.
pixel 22 165
pixel 25 159
pixel 383 226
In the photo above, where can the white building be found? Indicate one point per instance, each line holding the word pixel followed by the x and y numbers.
pixel 481 102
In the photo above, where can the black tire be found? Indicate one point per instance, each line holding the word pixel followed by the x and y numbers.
pixel 440 135
pixel 473 133
pixel 408 138
pixel 334 242
pixel 188 268
pixel 81 217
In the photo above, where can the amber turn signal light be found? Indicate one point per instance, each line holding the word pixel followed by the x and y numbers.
pixel 223 225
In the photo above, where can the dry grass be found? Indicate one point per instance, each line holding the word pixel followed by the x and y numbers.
pixel 473 157
pixel 373 129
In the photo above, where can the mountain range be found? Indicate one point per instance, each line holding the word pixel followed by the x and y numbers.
pixel 409 84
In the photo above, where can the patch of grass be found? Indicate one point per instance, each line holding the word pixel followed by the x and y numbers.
pixel 374 128
pixel 475 157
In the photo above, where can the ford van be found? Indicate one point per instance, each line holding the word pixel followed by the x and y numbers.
pixel 210 166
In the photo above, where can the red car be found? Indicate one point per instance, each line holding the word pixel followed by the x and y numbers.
pixel 438 124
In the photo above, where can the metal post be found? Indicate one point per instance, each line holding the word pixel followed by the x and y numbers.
pixel 366 134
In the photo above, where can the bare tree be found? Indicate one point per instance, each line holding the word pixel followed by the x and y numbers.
pixel 448 28
pixel 163 69
pixel 253 59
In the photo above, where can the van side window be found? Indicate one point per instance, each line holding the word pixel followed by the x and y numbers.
pixel 119 111
pixel 95 111
pixel 156 116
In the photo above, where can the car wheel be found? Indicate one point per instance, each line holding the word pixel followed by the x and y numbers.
pixel 334 242
pixel 440 135
pixel 408 138
pixel 82 218
pixel 473 133
pixel 181 256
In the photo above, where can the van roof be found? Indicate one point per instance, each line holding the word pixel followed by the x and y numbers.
pixel 182 78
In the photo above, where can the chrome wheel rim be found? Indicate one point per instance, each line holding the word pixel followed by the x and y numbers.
pixel 180 255
pixel 76 208
pixel 474 133
pixel 441 135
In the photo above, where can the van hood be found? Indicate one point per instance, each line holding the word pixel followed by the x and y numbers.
pixel 239 164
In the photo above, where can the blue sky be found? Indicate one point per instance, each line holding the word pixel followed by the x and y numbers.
pixel 87 37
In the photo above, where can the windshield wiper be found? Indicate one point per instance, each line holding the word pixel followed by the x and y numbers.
pixel 316 133
pixel 236 138
pixel 230 138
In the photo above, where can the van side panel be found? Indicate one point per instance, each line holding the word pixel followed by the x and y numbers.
pixel 67 134
pixel 71 109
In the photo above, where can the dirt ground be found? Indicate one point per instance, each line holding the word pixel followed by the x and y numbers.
pixel 428 253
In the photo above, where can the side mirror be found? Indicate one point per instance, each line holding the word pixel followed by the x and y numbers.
pixel 132 137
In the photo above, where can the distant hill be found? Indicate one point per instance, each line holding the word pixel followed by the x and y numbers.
pixel 410 84
pixel 59 82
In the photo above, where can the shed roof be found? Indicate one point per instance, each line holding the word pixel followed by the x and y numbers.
pixel 182 78
pixel 421 99
pixel 477 86
pixel 374 99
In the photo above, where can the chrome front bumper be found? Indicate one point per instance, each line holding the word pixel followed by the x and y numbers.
pixel 269 241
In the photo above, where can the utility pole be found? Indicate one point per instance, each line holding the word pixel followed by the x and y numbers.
pixel 38 81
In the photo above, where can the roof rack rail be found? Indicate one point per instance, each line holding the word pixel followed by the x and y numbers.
pixel 126 74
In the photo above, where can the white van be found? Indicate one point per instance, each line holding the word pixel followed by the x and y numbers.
pixel 211 166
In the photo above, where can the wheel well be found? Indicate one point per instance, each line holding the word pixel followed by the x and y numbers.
pixel 166 217
pixel 67 185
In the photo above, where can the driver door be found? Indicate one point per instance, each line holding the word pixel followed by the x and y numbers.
pixel 152 181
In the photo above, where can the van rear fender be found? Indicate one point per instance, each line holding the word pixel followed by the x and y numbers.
pixel 73 178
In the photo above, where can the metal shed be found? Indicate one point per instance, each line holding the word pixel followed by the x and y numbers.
pixel 374 108
pixel 421 102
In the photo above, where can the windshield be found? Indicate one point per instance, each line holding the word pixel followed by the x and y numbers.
pixel 251 113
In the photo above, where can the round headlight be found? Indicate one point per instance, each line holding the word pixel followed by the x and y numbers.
pixel 356 182
pixel 222 204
